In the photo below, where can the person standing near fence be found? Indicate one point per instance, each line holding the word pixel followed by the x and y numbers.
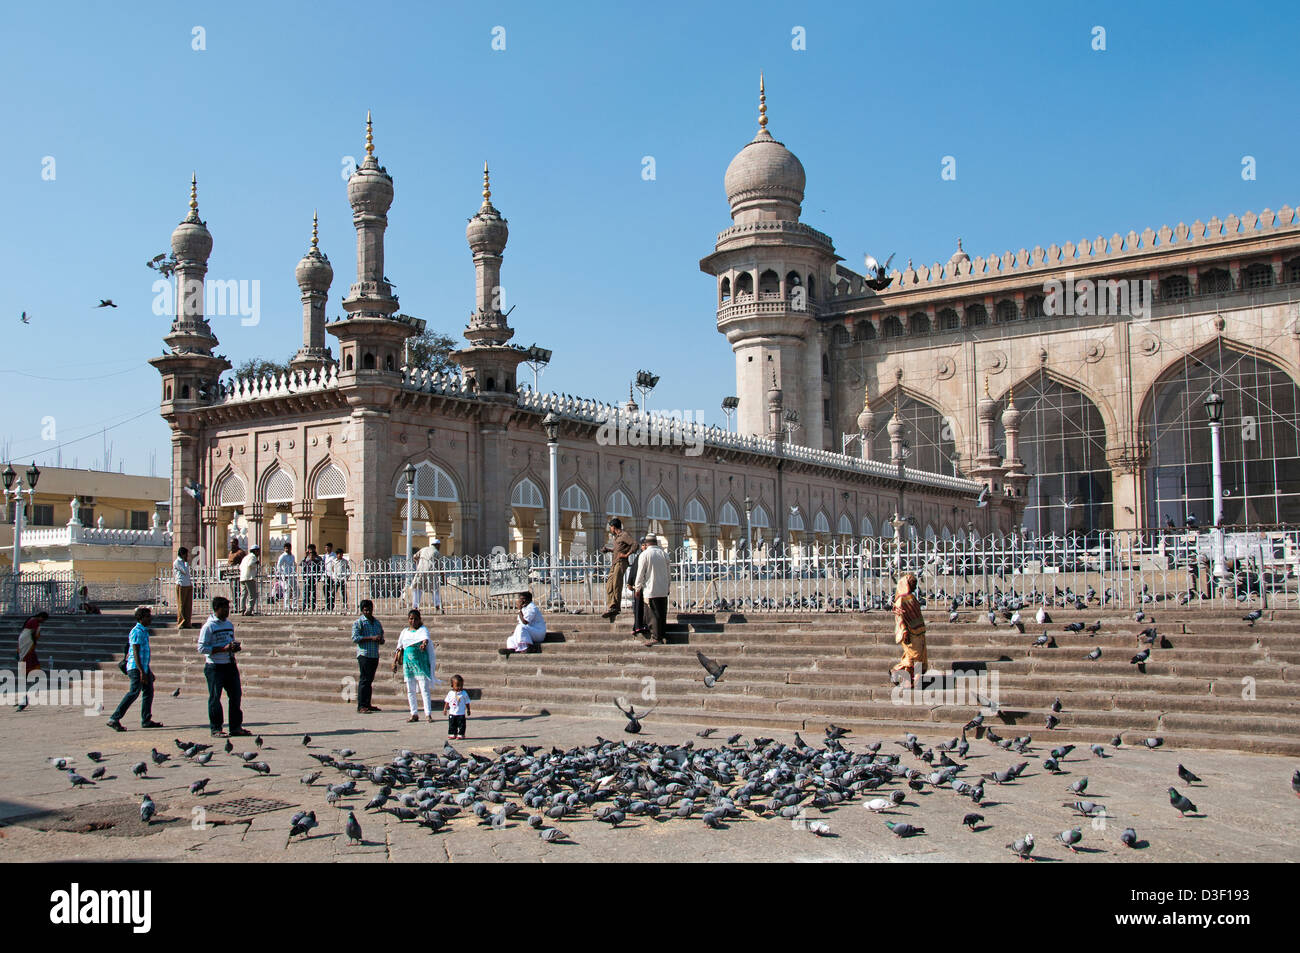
pixel 286 574
pixel 140 674
pixel 619 545
pixel 27 660
pixel 652 580
pixel 327 572
pixel 368 634
pixel 233 563
pixel 909 631
pixel 248 570
pixel 428 566
pixel 339 570
pixel 184 589
pixel 311 572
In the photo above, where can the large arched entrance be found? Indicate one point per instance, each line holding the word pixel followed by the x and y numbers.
pixel 437 510
pixel 1063 446
pixel 927 438
pixel 1259 448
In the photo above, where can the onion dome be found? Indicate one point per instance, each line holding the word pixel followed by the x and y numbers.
pixel 765 176
pixel 370 187
pixel 1011 416
pixel 866 419
pixel 487 231
pixel 775 399
pixel 986 408
pixel 895 425
pixel 191 241
pixel 314 271
pixel 959 256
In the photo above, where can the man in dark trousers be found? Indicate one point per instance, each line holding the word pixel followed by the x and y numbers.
pixel 620 543
pixel 368 634
pixel 218 646
pixel 140 674
pixel 652 579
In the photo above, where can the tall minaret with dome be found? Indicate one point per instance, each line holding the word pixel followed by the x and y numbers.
pixel 772 272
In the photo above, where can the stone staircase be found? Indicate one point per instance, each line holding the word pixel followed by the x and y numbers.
pixel 1220 684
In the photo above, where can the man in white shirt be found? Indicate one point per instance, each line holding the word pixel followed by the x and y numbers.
pixel 337 571
pixel 652 577
pixel 427 570
pixel 286 574
pixel 530 627
pixel 184 589
pixel 327 561
pixel 248 581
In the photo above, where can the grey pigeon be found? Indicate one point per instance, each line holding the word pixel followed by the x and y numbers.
pixel 147 809
pixel 1098 751
pixel 140 769
pixel 1070 838
pixel 1052 722
pixel 1094 654
pixel 1129 837
pixel 1079 786
pixel 198 786
pixel 1295 783
pixel 261 767
pixel 95 756
pixel 1154 742
pixel 712 669
pixel 77 780
pixel 99 772
pixel 1253 617
pixel 552 834
pixel 1056 706
pixel 903 829
pixel 1188 776
pixel 1181 803
pixel 302 825
pixel 352 829
pixel 309 778
pixel 973 820
pixel 159 757
pixel 203 758
pixel 1023 847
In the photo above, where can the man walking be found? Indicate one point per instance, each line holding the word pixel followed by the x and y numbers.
pixel 427 570
pixel 652 583
pixel 620 543
pixel 218 647
pixel 184 589
pixel 286 574
pixel 248 581
pixel 368 634
pixel 237 554
pixel 139 672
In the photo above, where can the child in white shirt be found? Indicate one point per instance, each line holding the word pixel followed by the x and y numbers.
pixel 456 704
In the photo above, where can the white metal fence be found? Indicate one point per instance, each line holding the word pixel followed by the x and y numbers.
pixel 1114 570
pixel 34 591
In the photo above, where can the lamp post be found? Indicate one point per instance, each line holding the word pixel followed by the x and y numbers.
pixel 749 546
pixel 645 382
pixel 1214 411
pixel 409 473
pixel 898 523
pixel 729 405
pixel 551 423
pixel 33 474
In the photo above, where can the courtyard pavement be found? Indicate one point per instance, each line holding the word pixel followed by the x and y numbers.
pixel 1247 809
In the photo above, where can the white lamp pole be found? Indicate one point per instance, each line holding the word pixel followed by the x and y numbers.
pixel 32 475
pixel 410 508
pixel 552 425
pixel 1214 411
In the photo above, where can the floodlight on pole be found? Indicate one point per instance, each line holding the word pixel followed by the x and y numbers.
pixel 729 405
pixel 645 382
pixel 537 358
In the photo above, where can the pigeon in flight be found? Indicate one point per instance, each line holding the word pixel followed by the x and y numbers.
pixel 983 499
pixel 877 278
pixel 106 303
pixel 24 319
pixel 713 669
pixel 633 726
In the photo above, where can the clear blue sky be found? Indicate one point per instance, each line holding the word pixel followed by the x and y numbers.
pixel 1054 142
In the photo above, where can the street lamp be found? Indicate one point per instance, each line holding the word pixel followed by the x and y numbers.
pixel 551 424
pixel 409 473
pixel 791 423
pixel 645 383
pixel 729 405
pixel 33 474
pixel 1214 411
pixel 749 546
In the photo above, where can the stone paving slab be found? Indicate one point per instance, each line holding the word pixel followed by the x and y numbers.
pixel 1249 810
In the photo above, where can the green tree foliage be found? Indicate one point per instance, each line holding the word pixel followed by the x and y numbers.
pixel 431 350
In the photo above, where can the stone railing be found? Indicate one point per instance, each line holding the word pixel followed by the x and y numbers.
pixel 1086 252
pixel 666 430
pixel 798 228
pixel 767 303
pixel 436 382
pixel 239 390
pixel 75 533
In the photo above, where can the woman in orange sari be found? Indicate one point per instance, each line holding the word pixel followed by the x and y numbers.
pixel 909 629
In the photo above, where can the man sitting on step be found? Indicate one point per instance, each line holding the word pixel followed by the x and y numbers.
pixel 530 628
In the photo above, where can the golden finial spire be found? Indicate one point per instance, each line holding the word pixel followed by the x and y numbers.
pixel 314 223
pixel 487 186
pixel 370 135
pixel 866 395
pixel 1011 396
pixel 986 386
pixel 194 192
pixel 762 103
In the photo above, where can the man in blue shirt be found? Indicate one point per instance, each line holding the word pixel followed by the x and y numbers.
pixel 140 674
pixel 217 644
pixel 368 634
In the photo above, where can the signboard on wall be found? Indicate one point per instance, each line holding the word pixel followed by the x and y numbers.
pixel 507 574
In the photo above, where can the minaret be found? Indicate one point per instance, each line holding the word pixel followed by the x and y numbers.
pixel 866 424
pixel 1014 476
pixel 314 274
pixel 767 255
pixel 988 465
pixel 896 428
pixel 371 339
pixel 489 361
pixel 775 412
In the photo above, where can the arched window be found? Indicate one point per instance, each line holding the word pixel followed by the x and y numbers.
pixel 845 526
pixel 927 438
pixel 1034 306
pixel 769 283
pixel 657 508
pixel 794 522
pixel 330 484
pixel 948 320
pixel 695 511
pixel 1063 445
pixel 1257 277
pixel 821 524
pixel 812 288
pixel 1259 440
pixel 976 316
pixel 432 482
pixel 728 516
pixel 744 284
pixel 839 335
pixel 758 519
pixel 1291 271
pixel 231 491
pixel 279 488
pixel 368 362
pixel 619 504
pixel 1215 281
pixel 1005 311
pixel 347 363
pixel 388 361
pixel 792 280
pixel 919 323
pixel 1174 287
pixel 575 499
pixel 826 366
pixel 864 331
pixel 891 327
pixel 724 289
pixel 868 530
pixel 528 495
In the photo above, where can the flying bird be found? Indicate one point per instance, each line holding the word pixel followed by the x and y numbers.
pixel 877 278
pixel 713 669
pixel 105 303
pixel 633 725
pixel 24 319
pixel 983 499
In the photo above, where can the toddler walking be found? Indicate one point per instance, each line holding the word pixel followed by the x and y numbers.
pixel 456 705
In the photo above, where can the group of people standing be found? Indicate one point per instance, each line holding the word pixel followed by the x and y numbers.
pixel 295 584
pixel 649 584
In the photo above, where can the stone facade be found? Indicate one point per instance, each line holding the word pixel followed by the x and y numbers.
pixel 319 455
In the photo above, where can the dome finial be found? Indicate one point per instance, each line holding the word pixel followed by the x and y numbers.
pixel 370 135
pixel 986 387
pixel 762 103
pixel 1011 396
pixel 487 186
pixel 194 192
pixel 314 237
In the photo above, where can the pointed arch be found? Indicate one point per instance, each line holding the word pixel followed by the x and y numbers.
pixel 845 527
pixel 759 519
pixel 527 494
pixel 619 503
pixel 821 524
pixel 1108 416
pixel 329 482
pixel 432 482
pixel 868 530
pixel 728 514
pixel 231 489
pixel 658 508
pixel 695 511
pixel 929 432
pixel 277 484
pixel 575 499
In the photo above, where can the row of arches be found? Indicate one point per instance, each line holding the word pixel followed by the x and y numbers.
pixel 741 284
pixel 1064 439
